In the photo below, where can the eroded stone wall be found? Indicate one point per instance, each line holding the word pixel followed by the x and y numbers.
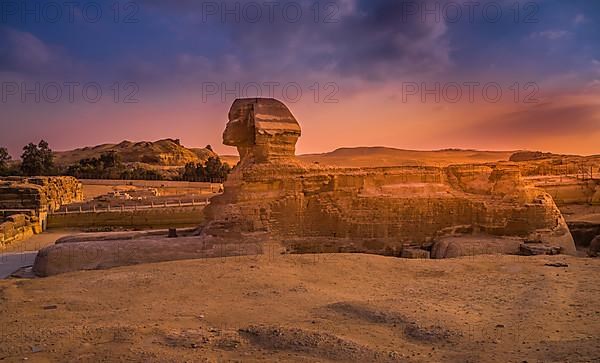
pixel 44 194
pixel 26 202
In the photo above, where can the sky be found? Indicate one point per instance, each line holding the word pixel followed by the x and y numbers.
pixel 414 74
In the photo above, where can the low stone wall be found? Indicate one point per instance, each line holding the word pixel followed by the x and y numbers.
pixel 148 218
pixel 39 193
pixel 25 203
pixel 17 227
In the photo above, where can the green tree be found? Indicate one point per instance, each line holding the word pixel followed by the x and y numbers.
pixel 215 170
pixel 110 159
pixel 31 160
pixel 225 170
pixel 212 171
pixel 4 159
pixel 107 166
pixel 200 173
pixel 139 173
pixel 47 156
pixel 189 172
pixel 37 159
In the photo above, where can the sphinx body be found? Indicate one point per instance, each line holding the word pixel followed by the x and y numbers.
pixel 375 210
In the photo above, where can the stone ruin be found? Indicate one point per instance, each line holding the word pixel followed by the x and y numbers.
pixel 401 211
pixel 26 201
pixel 313 208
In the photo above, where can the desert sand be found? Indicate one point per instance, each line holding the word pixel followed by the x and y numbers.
pixel 327 307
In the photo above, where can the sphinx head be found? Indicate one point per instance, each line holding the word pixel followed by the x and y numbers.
pixel 261 128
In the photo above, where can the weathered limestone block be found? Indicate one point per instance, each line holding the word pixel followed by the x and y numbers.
pixel 32 198
pixel 17 227
pixel 470 178
pixel 414 253
pixel 94 255
pixel 535 249
pixel 39 193
pixel 471 245
pixel 19 220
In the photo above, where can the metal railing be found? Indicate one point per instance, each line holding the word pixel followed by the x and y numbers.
pixel 127 208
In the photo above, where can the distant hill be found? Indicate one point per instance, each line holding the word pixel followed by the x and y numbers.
pixel 530 163
pixel 167 152
pixel 232 160
pixel 531 155
pixel 204 153
pixel 370 156
pixel 386 156
pixel 170 153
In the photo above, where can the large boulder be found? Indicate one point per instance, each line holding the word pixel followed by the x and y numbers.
pixel 472 245
pixel 101 254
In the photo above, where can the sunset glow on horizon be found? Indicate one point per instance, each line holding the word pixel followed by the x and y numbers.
pixel 354 73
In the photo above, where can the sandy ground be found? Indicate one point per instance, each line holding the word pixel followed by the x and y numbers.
pixel 308 308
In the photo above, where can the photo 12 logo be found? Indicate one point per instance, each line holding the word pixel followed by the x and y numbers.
pixel 70 92
pixel 470 11
pixel 269 12
pixel 291 92
pixel 69 12
pixel 470 91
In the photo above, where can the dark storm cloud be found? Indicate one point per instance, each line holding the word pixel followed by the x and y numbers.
pixel 367 39
pixel 371 40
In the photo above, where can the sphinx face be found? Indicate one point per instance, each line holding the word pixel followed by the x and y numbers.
pixel 240 129
pixel 236 133
pixel 261 128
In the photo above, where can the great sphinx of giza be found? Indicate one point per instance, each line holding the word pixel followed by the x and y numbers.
pixel 376 210
pixel 271 196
